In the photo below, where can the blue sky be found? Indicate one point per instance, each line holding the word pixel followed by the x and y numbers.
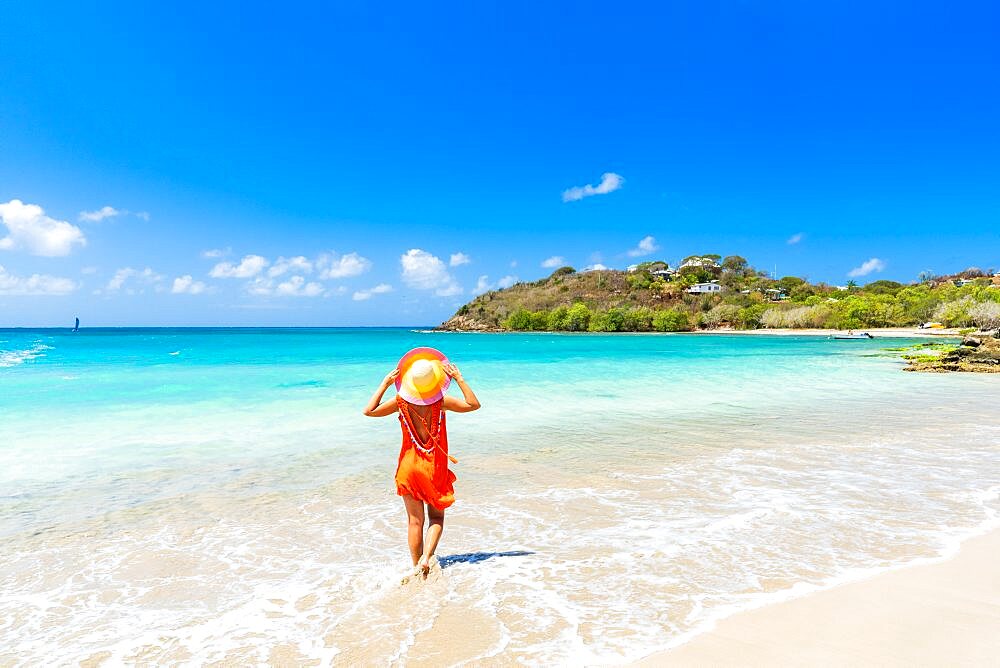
pixel 366 144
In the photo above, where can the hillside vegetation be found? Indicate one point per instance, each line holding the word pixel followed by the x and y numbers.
pixel 641 301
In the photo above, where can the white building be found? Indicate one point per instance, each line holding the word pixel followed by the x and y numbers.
pixel 704 288
pixel 666 274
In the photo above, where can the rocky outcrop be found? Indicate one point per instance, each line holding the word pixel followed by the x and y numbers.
pixel 975 354
pixel 466 323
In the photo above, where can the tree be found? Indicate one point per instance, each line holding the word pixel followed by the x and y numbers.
pixel 558 319
pixel 638 320
pixel 695 274
pixel 670 320
pixel 985 315
pixel 735 270
pixel 789 283
pixel 563 271
pixel 519 320
pixel 883 287
pixel 734 264
pixel 578 318
pixel 612 320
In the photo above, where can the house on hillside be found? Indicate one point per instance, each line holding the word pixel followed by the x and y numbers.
pixel 705 288
pixel 962 282
pixel 775 294
pixel 666 274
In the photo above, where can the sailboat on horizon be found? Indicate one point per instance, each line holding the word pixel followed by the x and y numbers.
pixel 76 327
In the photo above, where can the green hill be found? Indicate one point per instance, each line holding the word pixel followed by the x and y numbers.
pixel 655 298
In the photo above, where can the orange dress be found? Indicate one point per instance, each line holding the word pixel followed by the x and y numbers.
pixel 423 467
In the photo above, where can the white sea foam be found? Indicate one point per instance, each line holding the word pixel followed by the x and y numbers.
pixel 10 358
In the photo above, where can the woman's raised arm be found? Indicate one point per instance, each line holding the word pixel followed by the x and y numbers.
pixel 468 402
pixel 376 409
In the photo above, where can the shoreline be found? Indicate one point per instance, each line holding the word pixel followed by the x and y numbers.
pixel 877 332
pixel 932 611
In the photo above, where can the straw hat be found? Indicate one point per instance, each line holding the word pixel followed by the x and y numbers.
pixel 422 379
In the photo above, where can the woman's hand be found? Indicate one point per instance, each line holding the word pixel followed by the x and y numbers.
pixel 468 402
pixel 390 378
pixel 453 372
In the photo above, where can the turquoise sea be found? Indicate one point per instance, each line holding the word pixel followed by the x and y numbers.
pixel 184 496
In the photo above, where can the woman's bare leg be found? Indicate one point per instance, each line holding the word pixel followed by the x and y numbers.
pixel 434 528
pixel 415 529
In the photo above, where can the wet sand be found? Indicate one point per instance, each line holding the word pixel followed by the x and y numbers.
pixel 937 614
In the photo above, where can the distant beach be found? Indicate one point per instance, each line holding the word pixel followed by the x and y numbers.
pixel 880 332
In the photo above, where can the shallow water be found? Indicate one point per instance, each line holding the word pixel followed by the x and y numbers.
pixel 190 496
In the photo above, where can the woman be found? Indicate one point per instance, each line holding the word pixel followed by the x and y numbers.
pixel 422 475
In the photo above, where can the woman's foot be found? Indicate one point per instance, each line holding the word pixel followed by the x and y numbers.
pixel 423 566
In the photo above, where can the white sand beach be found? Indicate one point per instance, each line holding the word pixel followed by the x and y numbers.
pixel 938 614
pixel 880 332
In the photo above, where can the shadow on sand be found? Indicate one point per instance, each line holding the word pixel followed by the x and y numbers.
pixel 476 557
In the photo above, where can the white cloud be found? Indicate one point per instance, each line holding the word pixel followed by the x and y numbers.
pixel 867 267
pixel 343 266
pixel 110 212
pixel 36 284
pixel 458 259
pixel 594 267
pixel 610 182
pixel 424 271
pixel 554 261
pixel 215 253
pixel 646 246
pixel 482 285
pixel 249 266
pixel 298 264
pixel 186 285
pixel 295 286
pixel 381 288
pixel 100 214
pixel 261 286
pixel 28 227
pixel 795 238
pixel 122 276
